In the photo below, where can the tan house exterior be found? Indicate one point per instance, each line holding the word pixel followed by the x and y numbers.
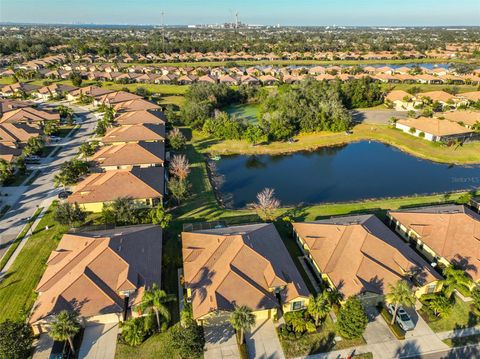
pixel 129 155
pixel 434 129
pixel 102 275
pixel 400 100
pixel 134 133
pixel 360 256
pixel 445 235
pixel 140 117
pixel 145 186
pixel 240 265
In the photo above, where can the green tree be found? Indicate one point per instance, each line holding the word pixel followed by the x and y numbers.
pixel 319 306
pixel 101 128
pixel 76 79
pixel 160 217
pixel 455 279
pixel 34 146
pixel 6 170
pixel 16 340
pixel 68 214
pixel 400 294
pixel 64 327
pixel 298 322
pixel 155 300
pixel 188 341
pixel 352 319
pixel 50 128
pixel 439 305
pixel 254 134
pixel 242 320
pixel 70 172
pixel 133 331
pixel 123 210
pixel 178 189
pixel 176 139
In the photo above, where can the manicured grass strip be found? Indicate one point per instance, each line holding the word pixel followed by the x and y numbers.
pixel 17 289
pixel 19 238
pixel 157 346
pixel 463 341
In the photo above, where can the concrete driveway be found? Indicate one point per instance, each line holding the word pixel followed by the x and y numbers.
pixel 220 341
pixel 377 330
pixel 263 342
pixel 99 341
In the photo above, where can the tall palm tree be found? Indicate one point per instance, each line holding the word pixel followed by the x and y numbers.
pixel 400 294
pixel 64 327
pixel 319 306
pixel 242 320
pixel 455 278
pixel 154 300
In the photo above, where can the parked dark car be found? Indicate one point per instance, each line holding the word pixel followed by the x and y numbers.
pixel 64 194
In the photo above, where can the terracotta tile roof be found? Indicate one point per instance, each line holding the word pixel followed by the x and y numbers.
pixel 130 154
pixel 135 133
pixel 29 114
pixel 116 97
pixel 88 271
pixel 8 105
pixel 55 88
pixel 92 91
pixel 441 96
pixel 471 96
pixel 451 231
pixel 140 117
pixel 434 126
pixel 469 118
pixel 238 265
pixel 360 253
pixel 137 183
pixel 135 105
pixel 397 95
pixel 17 132
pixel 19 86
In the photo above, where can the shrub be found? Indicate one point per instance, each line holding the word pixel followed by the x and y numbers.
pixel 352 319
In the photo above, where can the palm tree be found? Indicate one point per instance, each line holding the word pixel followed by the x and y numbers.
pixel 133 331
pixel 64 327
pixel 319 306
pixel 242 320
pixel 154 300
pixel 400 294
pixel 455 278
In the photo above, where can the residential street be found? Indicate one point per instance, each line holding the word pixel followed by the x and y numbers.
pixel 24 200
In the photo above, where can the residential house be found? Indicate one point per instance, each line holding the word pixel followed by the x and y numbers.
pixel 138 104
pixel 139 117
pixel 240 265
pixel 29 115
pixel 129 155
pixel 400 100
pixel 101 275
pixel 113 98
pixel 88 91
pixel 16 88
pixel 445 235
pixel 145 186
pixel 360 256
pixel 134 133
pixel 468 119
pixel 434 129
pixel 47 92
pixel 471 97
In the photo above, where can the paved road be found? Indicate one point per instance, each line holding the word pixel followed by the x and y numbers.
pixel 468 352
pixel 28 198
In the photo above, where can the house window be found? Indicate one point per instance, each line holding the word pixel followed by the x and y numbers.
pixel 297 305
pixel 431 288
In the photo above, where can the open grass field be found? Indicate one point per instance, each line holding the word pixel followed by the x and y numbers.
pixel 467 154
pixel 17 290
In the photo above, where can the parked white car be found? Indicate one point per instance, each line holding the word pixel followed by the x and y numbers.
pixel 403 319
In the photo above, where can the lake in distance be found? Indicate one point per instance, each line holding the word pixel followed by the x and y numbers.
pixel 362 170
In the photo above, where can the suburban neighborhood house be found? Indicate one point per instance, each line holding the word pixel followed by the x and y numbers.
pixel 143 185
pixel 469 119
pixel 361 256
pixel 434 129
pixel 29 115
pixel 134 133
pixel 240 265
pixel 400 100
pixel 101 275
pixel 140 117
pixel 445 235
pixel 129 155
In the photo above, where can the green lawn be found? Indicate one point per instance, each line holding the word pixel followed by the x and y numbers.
pixel 247 112
pixel 173 100
pixel 157 346
pixel 320 342
pixel 17 290
pixel 460 317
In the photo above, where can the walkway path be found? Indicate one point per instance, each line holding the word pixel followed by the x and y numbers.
pixel 28 198
pixel 263 343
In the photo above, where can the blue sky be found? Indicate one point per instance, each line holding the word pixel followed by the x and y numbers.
pixel 267 12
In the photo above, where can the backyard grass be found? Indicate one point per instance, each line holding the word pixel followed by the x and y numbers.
pixel 320 342
pixel 17 289
pixel 154 88
pixel 19 238
pixel 467 154
pixel 157 346
pixel 173 100
pixel 461 316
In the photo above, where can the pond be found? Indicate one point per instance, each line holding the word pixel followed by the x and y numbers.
pixel 356 171
pixel 248 112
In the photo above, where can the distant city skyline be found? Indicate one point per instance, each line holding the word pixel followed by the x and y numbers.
pixel 266 12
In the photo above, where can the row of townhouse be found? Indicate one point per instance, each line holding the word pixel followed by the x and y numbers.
pixel 103 274
pixel 356 255
pixel 403 101
pixel 19 122
pixel 130 161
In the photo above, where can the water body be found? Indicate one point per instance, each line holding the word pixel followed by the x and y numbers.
pixel 350 172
